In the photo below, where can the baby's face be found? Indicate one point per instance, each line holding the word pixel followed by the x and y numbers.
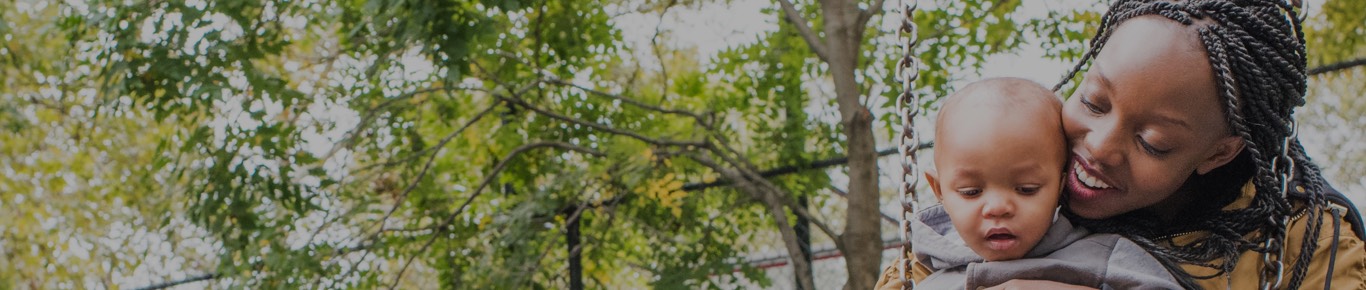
pixel 998 177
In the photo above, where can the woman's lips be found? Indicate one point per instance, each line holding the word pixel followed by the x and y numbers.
pixel 1089 180
pixel 1085 184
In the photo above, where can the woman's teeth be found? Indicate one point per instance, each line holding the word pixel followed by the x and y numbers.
pixel 1089 180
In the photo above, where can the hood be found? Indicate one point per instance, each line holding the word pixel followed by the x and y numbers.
pixel 938 245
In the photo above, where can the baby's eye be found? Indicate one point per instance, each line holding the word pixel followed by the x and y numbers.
pixel 1028 189
pixel 969 192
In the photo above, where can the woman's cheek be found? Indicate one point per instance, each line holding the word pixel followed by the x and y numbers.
pixel 1072 124
pixel 1154 182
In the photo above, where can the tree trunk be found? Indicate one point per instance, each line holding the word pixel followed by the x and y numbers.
pixel 575 257
pixel 803 229
pixel 770 196
pixel 843 27
pixel 862 234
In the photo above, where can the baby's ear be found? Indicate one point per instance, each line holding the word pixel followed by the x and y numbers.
pixel 932 177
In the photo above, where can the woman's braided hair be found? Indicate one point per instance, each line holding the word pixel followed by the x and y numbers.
pixel 1256 50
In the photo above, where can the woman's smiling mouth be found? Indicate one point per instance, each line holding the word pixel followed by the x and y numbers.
pixel 1088 180
pixel 1085 184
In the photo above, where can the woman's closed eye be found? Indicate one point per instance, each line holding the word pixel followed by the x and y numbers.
pixel 1150 148
pixel 1091 106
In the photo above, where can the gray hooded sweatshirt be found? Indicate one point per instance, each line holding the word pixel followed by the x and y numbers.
pixel 1066 254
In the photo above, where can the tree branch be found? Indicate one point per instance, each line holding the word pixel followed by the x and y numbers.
pixel 778 171
pixel 623 99
pixel 348 140
pixel 164 285
pixel 1337 66
pixel 867 14
pixel 445 224
pixel 426 167
pixel 413 184
pixel 659 55
pixel 767 189
pixel 784 170
pixel 794 17
pixel 770 173
pixel 601 127
pixel 551 78
pixel 888 218
pixel 217 275
pixel 799 259
pixel 516 99
pixel 443 142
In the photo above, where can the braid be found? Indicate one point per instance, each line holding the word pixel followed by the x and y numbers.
pixel 1097 41
pixel 1312 181
pixel 1256 51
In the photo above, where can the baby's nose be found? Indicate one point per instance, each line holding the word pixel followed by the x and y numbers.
pixel 998 207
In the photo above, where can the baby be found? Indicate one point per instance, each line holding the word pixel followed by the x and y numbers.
pixel 999 162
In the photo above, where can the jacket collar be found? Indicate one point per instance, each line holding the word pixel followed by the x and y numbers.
pixel 939 246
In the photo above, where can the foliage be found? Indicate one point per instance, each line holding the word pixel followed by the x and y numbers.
pixel 437 143
pixel 1330 121
pixel 1337 34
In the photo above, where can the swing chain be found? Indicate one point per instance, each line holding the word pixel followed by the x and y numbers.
pixel 908 106
pixel 1285 167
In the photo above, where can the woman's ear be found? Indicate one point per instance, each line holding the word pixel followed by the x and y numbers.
pixel 932 177
pixel 1224 151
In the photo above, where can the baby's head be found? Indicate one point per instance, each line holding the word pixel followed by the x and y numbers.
pixel 999 156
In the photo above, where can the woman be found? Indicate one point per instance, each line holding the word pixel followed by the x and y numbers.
pixel 1182 140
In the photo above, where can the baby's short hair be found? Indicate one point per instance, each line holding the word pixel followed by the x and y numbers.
pixel 999 99
pixel 999 95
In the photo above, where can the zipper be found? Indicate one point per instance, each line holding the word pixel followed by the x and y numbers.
pixel 1297 216
pixel 1171 236
pixel 1292 220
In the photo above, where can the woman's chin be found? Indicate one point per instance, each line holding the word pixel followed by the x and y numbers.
pixel 1086 209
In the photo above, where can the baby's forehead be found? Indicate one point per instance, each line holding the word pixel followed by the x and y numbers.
pixel 999 120
pixel 992 92
pixel 1011 102
pixel 999 102
pixel 1001 110
pixel 1003 91
pixel 1028 106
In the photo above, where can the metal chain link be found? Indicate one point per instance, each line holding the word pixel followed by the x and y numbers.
pixel 908 106
pixel 1285 167
pixel 1286 170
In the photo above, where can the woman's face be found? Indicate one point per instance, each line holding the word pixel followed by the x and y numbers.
pixel 1145 117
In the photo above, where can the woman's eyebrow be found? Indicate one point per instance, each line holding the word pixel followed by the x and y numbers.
pixel 1172 120
pixel 1099 73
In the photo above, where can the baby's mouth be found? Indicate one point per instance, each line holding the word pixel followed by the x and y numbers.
pixel 1001 239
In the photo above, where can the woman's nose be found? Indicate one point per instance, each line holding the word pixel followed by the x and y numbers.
pixel 1105 147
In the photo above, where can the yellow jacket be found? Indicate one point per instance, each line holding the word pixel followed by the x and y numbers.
pixel 1349 266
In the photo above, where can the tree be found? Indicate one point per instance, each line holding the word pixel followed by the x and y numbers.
pixel 251 92
pixel 1329 122
pixel 461 144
